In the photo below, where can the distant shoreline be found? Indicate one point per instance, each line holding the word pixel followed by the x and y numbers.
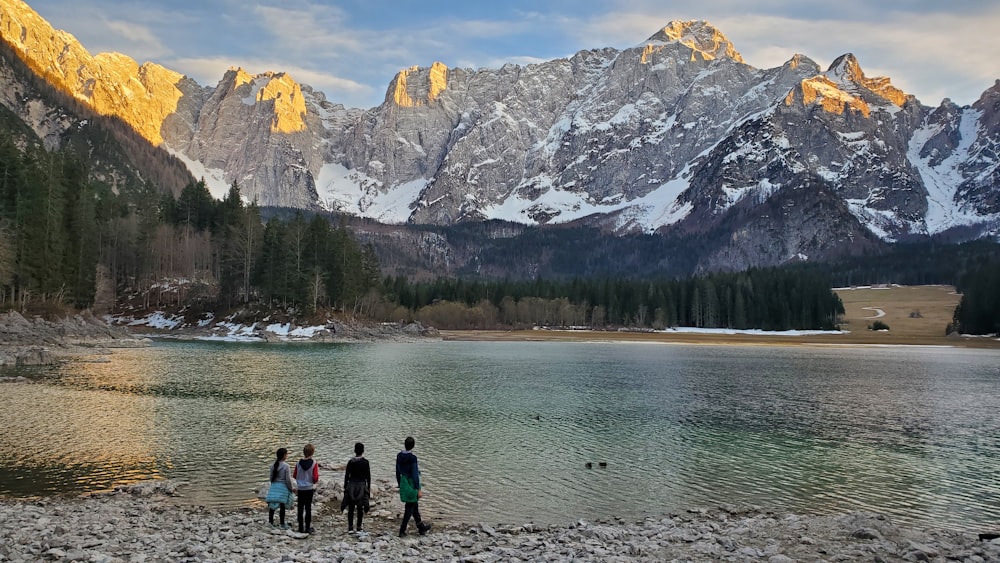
pixel 868 338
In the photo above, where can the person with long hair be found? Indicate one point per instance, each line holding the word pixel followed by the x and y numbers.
pixel 280 494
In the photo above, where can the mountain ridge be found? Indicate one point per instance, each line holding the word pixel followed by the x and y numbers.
pixel 676 135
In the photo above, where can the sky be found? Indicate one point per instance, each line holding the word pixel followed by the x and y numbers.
pixel 351 49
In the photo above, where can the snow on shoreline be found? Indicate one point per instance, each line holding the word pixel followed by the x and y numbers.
pixel 209 329
pixel 225 331
pixel 751 332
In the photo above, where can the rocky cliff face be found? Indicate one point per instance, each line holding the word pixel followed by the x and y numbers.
pixel 35 111
pixel 677 135
pixel 110 83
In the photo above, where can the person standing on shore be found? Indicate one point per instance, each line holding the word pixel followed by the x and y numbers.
pixel 306 476
pixel 408 479
pixel 279 493
pixel 357 486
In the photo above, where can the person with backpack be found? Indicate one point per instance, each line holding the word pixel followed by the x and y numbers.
pixel 408 479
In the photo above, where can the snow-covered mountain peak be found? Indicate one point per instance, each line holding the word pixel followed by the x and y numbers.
pixel 676 136
pixel 699 35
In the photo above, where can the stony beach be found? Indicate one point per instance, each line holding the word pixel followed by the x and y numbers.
pixel 146 523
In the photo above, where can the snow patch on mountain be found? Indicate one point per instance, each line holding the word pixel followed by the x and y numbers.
pixel 350 191
pixel 761 191
pixel 880 223
pixel 942 181
pixel 656 209
pixel 215 179
pixel 662 206
pixel 255 87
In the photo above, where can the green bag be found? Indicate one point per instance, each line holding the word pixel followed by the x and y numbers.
pixel 407 492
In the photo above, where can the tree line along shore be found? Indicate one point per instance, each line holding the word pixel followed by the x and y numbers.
pixel 69 243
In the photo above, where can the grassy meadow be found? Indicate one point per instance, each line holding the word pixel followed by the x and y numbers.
pixel 916 315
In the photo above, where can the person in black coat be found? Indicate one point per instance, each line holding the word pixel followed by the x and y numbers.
pixel 357 487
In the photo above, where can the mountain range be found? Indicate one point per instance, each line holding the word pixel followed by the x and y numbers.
pixel 676 138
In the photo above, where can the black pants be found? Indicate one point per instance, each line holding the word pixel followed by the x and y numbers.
pixel 410 509
pixel 350 514
pixel 281 512
pixel 305 509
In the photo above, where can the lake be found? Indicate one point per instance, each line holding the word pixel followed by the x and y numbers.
pixel 505 430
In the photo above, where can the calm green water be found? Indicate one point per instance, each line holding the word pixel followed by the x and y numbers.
pixel 504 430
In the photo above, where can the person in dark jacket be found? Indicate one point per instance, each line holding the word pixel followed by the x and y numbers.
pixel 357 487
pixel 408 479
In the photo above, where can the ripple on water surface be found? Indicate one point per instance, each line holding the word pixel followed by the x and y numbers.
pixel 548 432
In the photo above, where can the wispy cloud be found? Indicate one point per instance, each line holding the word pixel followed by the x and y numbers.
pixel 931 55
pixel 351 51
pixel 209 70
pixel 308 28
pixel 141 42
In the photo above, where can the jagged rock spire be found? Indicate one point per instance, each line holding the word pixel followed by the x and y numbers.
pixel 699 35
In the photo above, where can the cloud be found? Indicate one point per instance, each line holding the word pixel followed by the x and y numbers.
pixel 134 29
pixel 932 56
pixel 139 41
pixel 208 71
pixel 929 54
pixel 497 63
pixel 929 48
pixel 311 28
pixel 483 29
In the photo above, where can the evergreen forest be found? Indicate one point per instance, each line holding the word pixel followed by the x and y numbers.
pixel 69 240
pixel 979 310
pixel 66 239
pixel 768 299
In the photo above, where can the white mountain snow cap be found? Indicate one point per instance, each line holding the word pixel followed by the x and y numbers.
pixel 700 36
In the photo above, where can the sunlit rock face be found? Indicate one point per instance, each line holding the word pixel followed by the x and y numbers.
pixel 259 133
pixel 426 86
pixel 676 134
pixel 111 83
pixel 844 87
pixel 838 139
pixel 254 130
pixel 701 37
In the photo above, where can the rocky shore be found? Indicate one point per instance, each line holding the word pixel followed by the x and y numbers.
pixel 37 341
pixel 144 523
pixel 273 327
